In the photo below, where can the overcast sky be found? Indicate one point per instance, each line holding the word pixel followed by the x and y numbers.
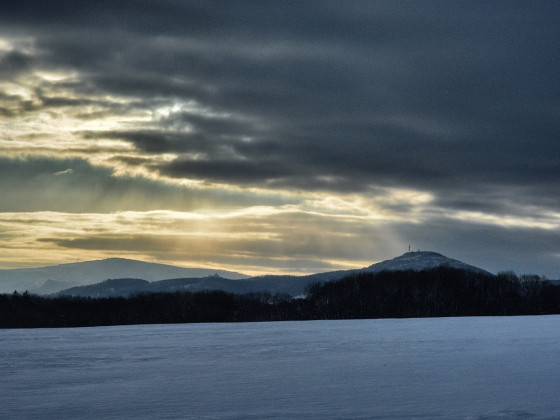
pixel 280 137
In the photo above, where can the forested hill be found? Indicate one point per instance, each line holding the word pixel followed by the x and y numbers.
pixel 441 291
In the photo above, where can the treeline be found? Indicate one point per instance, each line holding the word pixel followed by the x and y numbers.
pixel 438 292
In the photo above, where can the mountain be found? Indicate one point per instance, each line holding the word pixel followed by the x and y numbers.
pixel 418 261
pixel 44 280
pixel 291 285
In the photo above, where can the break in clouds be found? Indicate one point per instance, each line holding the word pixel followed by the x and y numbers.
pixel 381 124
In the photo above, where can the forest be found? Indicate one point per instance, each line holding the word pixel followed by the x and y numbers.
pixel 439 292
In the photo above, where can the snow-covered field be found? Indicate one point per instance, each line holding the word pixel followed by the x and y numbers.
pixel 466 368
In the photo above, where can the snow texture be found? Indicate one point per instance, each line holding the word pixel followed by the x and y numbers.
pixel 446 368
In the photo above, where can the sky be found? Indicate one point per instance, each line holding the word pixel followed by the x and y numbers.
pixel 280 137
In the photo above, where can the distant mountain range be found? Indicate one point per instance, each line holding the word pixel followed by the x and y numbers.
pixel 46 280
pixel 122 277
pixel 431 286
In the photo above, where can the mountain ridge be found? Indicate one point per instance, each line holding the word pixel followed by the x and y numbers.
pixel 87 277
pixel 282 284
pixel 48 279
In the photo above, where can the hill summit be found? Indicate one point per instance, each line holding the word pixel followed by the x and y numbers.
pixel 419 261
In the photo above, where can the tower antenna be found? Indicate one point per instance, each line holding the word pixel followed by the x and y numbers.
pixel 408 247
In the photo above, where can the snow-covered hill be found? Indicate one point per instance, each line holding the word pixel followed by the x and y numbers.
pixel 420 260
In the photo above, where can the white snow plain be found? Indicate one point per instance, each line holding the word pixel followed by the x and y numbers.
pixel 444 368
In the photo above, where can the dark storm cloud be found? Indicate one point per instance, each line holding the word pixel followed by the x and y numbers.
pixel 426 96
pixel 226 171
pixel 188 133
pixel 300 66
pixel 13 63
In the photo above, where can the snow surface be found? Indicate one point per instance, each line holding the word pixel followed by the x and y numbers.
pixel 446 368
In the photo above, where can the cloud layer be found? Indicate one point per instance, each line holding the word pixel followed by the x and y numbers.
pixel 364 126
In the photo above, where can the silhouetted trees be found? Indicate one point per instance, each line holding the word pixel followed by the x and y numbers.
pixel 442 291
